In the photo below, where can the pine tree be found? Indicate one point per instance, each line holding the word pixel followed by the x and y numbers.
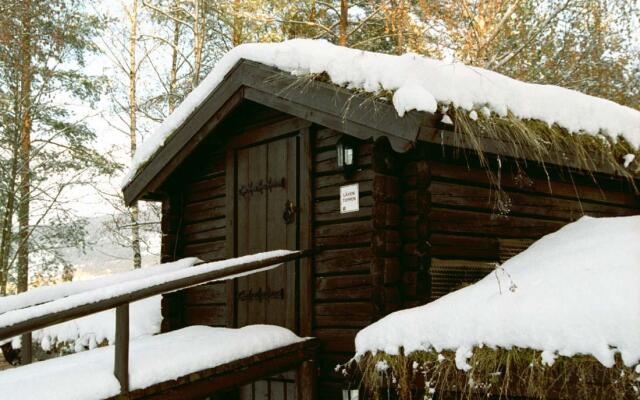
pixel 42 50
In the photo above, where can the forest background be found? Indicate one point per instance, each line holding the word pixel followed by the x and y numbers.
pixel 83 82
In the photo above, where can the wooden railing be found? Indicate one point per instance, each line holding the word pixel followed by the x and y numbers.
pixel 121 304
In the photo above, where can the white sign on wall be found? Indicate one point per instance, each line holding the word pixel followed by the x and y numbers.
pixel 349 198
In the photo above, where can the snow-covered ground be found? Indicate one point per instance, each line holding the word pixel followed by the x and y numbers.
pixel 418 83
pixel 575 291
pixel 89 375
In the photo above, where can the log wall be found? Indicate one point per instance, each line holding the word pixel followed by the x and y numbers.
pixel 193 225
pixel 342 271
pixel 471 224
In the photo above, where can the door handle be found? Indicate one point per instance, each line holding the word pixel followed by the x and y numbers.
pixel 289 213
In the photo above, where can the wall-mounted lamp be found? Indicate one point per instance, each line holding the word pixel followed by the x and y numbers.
pixel 346 155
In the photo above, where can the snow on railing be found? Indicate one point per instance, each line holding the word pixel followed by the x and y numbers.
pixel 120 295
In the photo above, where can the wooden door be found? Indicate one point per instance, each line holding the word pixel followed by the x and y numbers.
pixel 266 201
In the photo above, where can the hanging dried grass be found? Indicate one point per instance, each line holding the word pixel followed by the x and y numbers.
pixel 498 373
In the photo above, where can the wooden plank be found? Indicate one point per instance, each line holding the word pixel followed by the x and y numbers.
pixel 325 161
pixel 306 375
pixel 121 350
pixel 204 210
pixel 26 355
pixel 337 340
pixel 230 375
pixel 444 220
pixel 347 261
pixel 343 234
pixel 205 251
pixel 328 186
pixel 211 315
pixel 212 235
pixel 446 194
pixel 231 220
pixel 344 314
pixel 343 287
pixel 533 182
pixel 213 293
pixel 206 225
pixel 468 247
pixel 328 210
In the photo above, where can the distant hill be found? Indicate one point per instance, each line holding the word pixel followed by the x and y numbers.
pixel 103 256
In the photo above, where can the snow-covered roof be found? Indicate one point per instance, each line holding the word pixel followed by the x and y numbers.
pixel 572 292
pixel 417 83
pixel 89 375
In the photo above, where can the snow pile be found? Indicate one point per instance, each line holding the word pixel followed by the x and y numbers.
pixel 572 292
pixel 418 83
pixel 102 293
pixel 90 331
pixel 89 375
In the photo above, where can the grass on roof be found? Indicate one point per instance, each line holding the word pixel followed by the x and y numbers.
pixel 494 373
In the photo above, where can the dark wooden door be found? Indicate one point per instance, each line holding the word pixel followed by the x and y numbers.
pixel 266 200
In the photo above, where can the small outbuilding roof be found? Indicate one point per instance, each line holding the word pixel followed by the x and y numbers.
pixel 417 86
pixel 573 292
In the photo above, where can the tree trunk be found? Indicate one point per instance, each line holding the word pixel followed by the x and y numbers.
pixel 237 23
pixel 7 221
pixel 198 33
pixel 344 21
pixel 25 151
pixel 173 74
pixel 133 107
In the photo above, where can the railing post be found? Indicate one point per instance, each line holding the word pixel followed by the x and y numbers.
pixel 25 349
pixel 121 361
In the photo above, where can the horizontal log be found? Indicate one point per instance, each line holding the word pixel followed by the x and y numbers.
pixel 205 163
pixel 471 247
pixel 214 293
pixel 349 261
pixel 205 236
pixel 358 232
pixel 328 210
pixel 455 221
pixel 337 340
pixel 326 137
pixel 344 309
pixel 211 315
pixel 329 186
pixel 204 210
pixel 202 226
pixel 343 287
pixel 205 189
pixel 445 194
pixel 612 191
pixel 205 249
pixel 325 161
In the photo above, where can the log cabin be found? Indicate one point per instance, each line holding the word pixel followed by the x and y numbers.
pixel 399 209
